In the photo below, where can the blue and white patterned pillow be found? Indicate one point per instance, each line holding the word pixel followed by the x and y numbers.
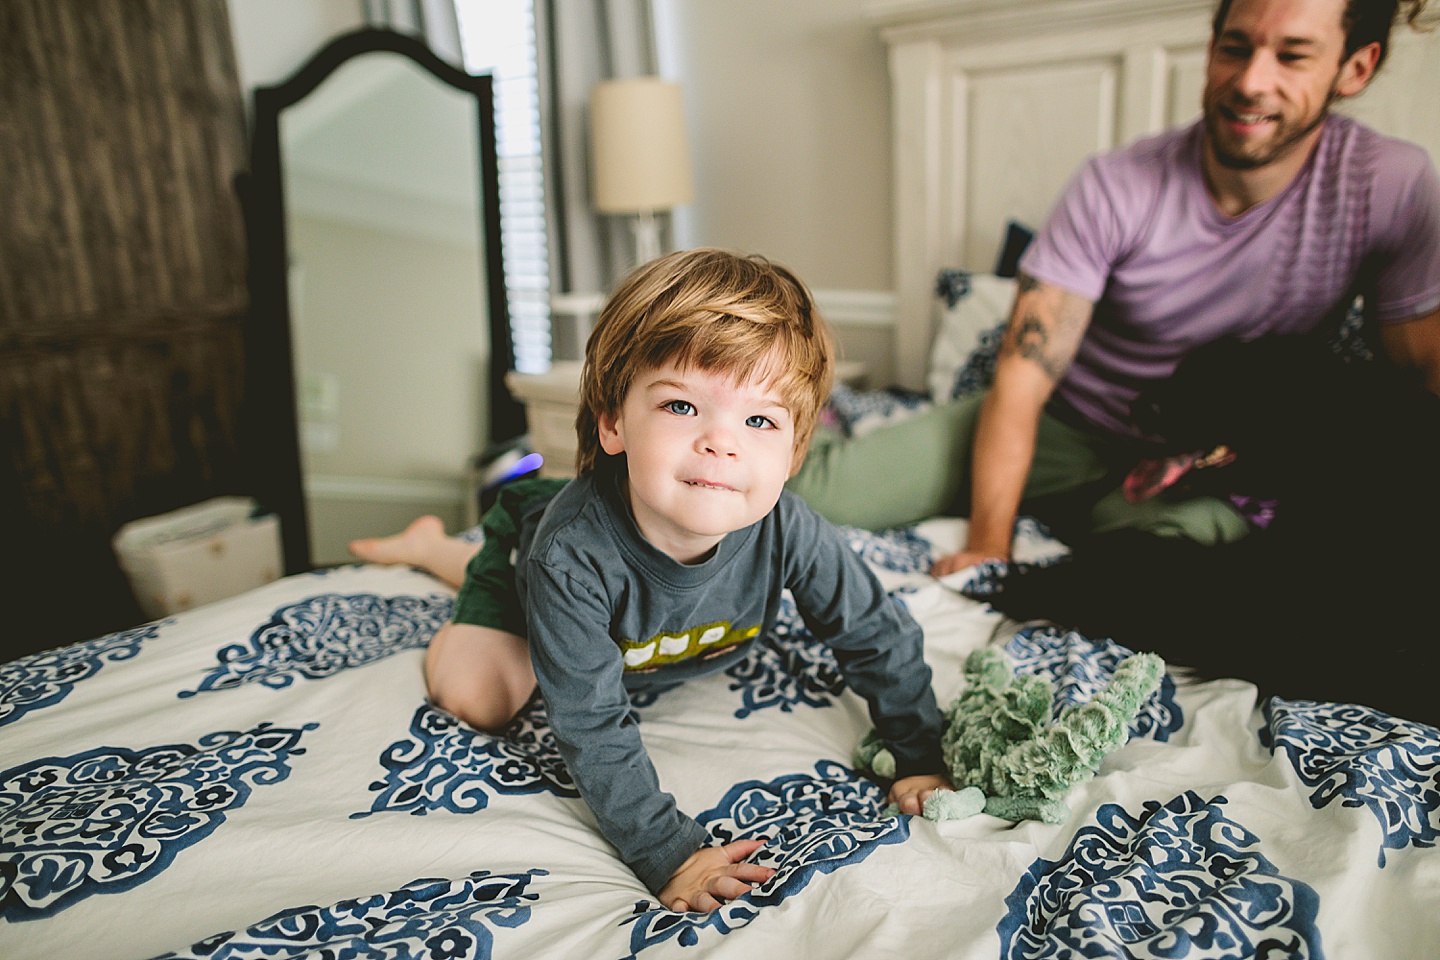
pixel 858 412
pixel 971 310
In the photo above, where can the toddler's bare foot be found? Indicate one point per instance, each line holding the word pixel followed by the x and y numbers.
pixel 414 545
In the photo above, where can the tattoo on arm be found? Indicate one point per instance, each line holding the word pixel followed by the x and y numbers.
pixel 1028 337
pixel 1046 328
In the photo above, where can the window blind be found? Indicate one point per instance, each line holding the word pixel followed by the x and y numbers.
pixel 498 37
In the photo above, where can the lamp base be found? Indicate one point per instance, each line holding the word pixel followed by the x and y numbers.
pixel 647 237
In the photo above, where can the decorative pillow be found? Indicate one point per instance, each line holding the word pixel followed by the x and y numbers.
pixel 858 412
pixel 971 310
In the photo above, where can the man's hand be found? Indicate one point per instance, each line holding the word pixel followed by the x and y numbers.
pixel 965 558
pixel 910 793
pixel 713 874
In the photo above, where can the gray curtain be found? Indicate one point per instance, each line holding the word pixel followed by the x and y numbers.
pixel 433 20
pixel 581 43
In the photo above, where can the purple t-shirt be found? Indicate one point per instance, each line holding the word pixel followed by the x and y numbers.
pixel 1137 232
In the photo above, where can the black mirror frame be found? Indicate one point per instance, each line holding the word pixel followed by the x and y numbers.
pixel 270 437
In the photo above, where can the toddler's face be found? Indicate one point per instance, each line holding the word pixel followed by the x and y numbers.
pixel 706 455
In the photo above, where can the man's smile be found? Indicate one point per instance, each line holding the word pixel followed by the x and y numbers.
pixel 1246 119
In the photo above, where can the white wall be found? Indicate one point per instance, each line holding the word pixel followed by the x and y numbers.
pixel 389 321
pixel 788 107
pixel 1401 101
pixel 274 37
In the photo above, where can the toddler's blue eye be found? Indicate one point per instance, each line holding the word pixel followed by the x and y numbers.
pixel 759 422
pixel 681 407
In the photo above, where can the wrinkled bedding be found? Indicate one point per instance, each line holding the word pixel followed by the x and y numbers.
pixel 263 777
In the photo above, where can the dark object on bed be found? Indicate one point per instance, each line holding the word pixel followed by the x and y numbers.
pixel 1017 238
pixel 1337 598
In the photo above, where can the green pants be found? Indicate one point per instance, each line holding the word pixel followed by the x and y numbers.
pixel 489 596
pixel 920 467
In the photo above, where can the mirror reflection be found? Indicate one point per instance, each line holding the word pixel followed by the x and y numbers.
pixel 388 298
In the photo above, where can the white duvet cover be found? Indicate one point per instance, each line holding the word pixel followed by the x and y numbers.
pixel 264 778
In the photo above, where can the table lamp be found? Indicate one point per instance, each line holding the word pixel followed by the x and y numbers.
pixel 640 159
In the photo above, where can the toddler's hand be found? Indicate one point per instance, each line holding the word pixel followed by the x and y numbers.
pixel 713 874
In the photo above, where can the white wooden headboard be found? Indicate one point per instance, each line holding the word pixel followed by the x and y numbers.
pixel 994 103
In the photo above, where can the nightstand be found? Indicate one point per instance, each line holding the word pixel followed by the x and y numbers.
pixel 552 400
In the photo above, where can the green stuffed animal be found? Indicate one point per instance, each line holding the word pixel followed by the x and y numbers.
pixel 1007 756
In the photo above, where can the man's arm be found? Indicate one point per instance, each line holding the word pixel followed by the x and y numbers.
pixel 1416 344
pixel 1044 331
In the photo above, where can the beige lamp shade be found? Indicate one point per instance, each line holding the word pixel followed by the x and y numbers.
pixel 638 152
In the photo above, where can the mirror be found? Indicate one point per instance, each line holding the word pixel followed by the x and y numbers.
pixel 380 332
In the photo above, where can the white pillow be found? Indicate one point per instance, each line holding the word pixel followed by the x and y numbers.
pixel 970 311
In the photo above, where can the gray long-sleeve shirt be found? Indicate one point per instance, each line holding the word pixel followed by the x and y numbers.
pixel 607 614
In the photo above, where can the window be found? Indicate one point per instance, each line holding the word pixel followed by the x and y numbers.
pixel 498 37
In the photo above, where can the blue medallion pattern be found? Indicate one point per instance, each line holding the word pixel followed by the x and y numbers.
pixel 1029 528
pixel 43 680
pixel 812 823
pixel 1179 881
pixel 1363 757
pixel 445 765
pixel 322 635
pixel 110 819
pixel 979 370
pixel 785 667
pixel 978 373
pixel 1080 668
pixel 952 286
pixel 901 549
pixel 857 412
pixel 984 579
pixel 424 918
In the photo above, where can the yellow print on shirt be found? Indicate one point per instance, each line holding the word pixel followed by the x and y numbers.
pixel 665 648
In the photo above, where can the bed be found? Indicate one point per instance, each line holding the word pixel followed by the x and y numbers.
pixel 263 777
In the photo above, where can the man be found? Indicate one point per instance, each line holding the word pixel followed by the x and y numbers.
pixel 1268 216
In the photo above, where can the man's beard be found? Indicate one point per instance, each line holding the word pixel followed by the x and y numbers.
pixel 1283 140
